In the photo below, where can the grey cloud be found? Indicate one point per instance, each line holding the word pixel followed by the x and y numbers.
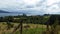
pixel 29 6
pixel 17 5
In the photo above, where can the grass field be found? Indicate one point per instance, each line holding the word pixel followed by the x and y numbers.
pixel 33 29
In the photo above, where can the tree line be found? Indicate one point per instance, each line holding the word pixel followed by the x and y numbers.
pixel 27 19
pixel 31 19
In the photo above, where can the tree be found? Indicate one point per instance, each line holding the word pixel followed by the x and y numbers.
pixel 1 19
pixel 24 15
pixel 53 22
pixel 8 21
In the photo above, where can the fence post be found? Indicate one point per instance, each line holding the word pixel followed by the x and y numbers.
pixel 21 25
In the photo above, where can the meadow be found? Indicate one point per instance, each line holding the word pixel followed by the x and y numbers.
pixel 32 29
pixel 49 24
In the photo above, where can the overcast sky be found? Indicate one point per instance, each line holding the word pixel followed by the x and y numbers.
pixel 35 6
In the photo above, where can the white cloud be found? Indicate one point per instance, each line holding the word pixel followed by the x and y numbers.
pixel 19 3
pixel 53 6
pixel 46 6
pixel 50 2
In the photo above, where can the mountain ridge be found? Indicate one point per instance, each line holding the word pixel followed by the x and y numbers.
pixel 2 11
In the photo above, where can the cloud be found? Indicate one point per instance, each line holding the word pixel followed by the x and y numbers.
pixel 53 7
pixel 36 6
pixel 20 4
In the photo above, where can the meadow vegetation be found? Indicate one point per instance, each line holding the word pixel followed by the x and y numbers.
pixel 46 24
pixel 32 29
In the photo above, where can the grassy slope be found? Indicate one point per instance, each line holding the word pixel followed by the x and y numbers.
pixel 33 29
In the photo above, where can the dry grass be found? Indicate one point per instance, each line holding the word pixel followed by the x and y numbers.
pixel 3 27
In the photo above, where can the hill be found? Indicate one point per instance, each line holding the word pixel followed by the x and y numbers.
pixel 1 11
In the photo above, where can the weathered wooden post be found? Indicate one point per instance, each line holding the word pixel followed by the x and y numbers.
pixel 53 22
pixel 21 24
pixel 48 23
pixel 47 27
pixel 9 20
pixel 8 25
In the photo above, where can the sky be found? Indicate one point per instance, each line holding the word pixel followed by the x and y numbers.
pixel 31 6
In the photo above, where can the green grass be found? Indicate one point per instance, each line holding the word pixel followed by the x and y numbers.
pixel 32 31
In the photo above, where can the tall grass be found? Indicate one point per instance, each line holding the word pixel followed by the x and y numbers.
pixel 34 29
